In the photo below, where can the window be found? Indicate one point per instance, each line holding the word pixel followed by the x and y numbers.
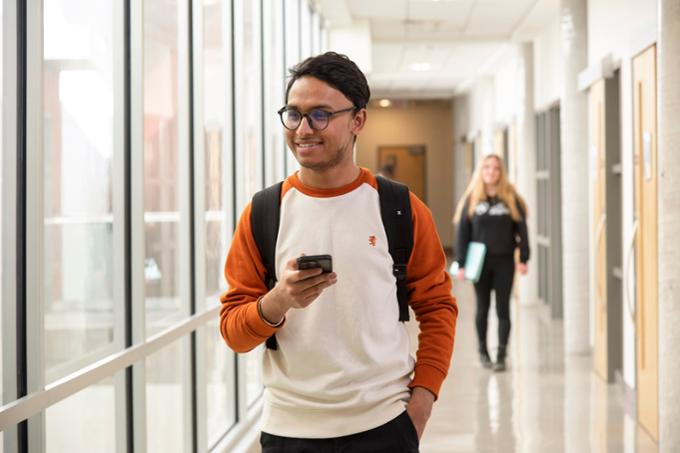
pixel 274 80
pixel 84 421
pixel 248 96
pixel 168 398
pixel 78 216
pixel 221 395
pixel 164 304
pixel 305 30
pixel 316 33
pixel 216 146
pixel 218 187
pixel 292 56
pixel 81 239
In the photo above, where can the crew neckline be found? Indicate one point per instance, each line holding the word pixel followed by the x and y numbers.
pixel 294 180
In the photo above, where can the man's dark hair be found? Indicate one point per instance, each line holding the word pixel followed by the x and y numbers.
pixel 338 71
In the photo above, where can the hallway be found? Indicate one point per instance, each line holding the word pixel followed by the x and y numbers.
pixel 136 134
pixel 546 401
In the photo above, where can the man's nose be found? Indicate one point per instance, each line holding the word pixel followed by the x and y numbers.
pixel 305 127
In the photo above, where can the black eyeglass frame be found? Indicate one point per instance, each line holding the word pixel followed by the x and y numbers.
pixel 310 121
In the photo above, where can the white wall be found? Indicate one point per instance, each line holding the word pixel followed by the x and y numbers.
pixel 614 24
pixel 490 104
pixel 480 113
pixel 507 87
pixel 621 28
pixel 547 66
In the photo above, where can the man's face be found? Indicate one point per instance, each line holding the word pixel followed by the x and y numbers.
pixel 325 149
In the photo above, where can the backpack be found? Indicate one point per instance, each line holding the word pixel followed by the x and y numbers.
pixel 395 210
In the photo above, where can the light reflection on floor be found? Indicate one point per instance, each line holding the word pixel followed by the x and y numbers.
pixel 543 402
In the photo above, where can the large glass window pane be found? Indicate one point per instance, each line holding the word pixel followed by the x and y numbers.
pixel 85 421
pixel 216 101
pixel 78 146
pixel 248 97
pixel 316 33
pixel 221 394
pixel 273 91
pixel 254 385
pixel 292 24
pixel 306 29
pixel 164 305
pixel 248 131
pixel 217 146
pixel 168 398
pixel 292 52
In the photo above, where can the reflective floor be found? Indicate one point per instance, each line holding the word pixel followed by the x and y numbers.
pixel 543 402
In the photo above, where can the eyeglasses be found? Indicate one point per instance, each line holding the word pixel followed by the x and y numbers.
pixel 316 118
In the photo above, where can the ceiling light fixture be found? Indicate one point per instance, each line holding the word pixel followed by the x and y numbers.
pixel 420 67
pixel 385 103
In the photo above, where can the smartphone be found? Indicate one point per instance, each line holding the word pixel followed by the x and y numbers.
pixel 325 262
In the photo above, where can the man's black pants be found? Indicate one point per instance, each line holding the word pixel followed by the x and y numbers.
pixel 396 436
pixel 497 274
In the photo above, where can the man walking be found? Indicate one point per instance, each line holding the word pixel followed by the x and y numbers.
pixel 341 377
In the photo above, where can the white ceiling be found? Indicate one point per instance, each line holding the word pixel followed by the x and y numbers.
pixel 433 48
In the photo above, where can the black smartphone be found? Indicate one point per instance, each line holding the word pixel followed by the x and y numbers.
pixel 325 262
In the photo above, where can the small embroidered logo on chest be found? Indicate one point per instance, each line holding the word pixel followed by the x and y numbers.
pixel 372 240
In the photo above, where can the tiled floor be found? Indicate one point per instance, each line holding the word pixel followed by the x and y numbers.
pixel 544 402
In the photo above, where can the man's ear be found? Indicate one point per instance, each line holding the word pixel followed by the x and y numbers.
pixel 358 121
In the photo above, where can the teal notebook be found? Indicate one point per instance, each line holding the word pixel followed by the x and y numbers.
pixel 474 261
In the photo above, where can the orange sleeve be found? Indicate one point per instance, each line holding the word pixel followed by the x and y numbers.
pixel 430 297
pixel 240 324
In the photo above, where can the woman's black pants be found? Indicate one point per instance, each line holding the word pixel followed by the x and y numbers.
pixel 497 274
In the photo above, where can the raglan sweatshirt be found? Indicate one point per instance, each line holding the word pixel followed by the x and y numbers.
pixel 343 363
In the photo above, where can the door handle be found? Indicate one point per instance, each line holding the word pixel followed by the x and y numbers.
pixel 629 255
pixel 598 286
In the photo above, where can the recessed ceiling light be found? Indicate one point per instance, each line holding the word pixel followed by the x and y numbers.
pixel 420 67
pixel 385 103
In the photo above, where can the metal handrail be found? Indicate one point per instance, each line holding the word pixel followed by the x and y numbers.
pixel 34 403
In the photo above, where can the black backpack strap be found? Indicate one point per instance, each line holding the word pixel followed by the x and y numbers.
pixel 265 214
pixel 395 209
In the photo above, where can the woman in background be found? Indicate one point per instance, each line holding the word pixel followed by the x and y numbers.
pixel 492 212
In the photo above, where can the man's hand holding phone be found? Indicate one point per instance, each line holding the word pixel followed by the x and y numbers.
pixel 298 288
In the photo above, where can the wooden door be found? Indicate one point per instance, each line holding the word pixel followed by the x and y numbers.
pixel 646 247
pixel 469 158
pixel 407 164
pixel 596 101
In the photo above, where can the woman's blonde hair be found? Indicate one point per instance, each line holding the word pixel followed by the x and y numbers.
pixel 504 190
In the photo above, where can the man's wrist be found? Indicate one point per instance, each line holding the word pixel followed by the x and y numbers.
pixel 423 393
pixel 270 310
